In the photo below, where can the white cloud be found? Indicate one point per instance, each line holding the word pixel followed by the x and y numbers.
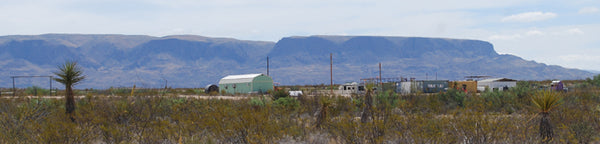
pixel 534 33
pixel 581 61
pixel 588 10
pixel 505 37
pixel 521 35
pixel 529 17
pixel 575 31
pixel 579 58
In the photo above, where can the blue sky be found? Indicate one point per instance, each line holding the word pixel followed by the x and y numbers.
pixel 565 33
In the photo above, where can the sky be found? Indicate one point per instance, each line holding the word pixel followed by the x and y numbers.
pixel 555 32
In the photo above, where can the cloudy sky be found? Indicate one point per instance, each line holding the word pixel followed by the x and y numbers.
pixel 556 32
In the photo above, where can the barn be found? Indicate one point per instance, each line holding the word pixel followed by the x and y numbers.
pixel 496 84
pixel 246 83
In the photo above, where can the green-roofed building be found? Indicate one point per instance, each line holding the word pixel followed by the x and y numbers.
pixel 247 83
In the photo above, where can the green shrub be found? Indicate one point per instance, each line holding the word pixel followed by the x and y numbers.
pixel 280 94
pixel 523 90
pixel 287 102
pixel 453 98
pixel 499 101
pixel 256 103
pixel 387 99
pixel 36 91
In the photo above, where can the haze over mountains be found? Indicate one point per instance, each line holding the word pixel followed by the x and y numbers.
pixel 195 61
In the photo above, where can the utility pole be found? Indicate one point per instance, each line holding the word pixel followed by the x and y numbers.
pixel 51 85
pixel 380 81
pixel 267 65
pixel 14 89
pixel 331 71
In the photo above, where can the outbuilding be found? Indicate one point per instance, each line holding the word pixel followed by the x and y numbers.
pixel 434 86
pixel 424 86
pixel 246 83
pixel 349 88
pixel 211 88
pixel 465 86
pixel 496 84
pixel 407 87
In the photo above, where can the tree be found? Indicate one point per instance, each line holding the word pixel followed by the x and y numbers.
pixel 69 74
pixel 546 101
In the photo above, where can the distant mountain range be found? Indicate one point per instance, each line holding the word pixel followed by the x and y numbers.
pixel 594 71
pixel 195 61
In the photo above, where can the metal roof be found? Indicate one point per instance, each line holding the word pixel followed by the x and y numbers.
pixel 496 79
pixel 245 78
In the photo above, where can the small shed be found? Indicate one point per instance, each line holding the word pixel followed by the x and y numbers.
pixel 406 87
pixel 211 88
pixel 496 84
pixel 246 83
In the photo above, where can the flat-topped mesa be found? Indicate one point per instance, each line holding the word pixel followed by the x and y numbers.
pixel 380 48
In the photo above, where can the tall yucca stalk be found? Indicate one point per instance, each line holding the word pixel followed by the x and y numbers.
pixel 545 101
pixel 69 74
pixel 368 104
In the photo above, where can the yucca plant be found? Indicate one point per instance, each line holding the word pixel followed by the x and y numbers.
pixel 545 101
pixel 368 106
pixel 321 113
pixel 69 74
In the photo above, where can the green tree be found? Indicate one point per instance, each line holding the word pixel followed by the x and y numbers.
pixel 69 74
pixel 545 101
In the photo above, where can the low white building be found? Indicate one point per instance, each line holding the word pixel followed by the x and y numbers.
pixel 496 84
pixel 350 88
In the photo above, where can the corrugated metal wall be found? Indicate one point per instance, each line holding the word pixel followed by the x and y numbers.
pixel 262 84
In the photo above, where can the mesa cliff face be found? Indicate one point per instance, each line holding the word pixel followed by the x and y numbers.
pixel 194 61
